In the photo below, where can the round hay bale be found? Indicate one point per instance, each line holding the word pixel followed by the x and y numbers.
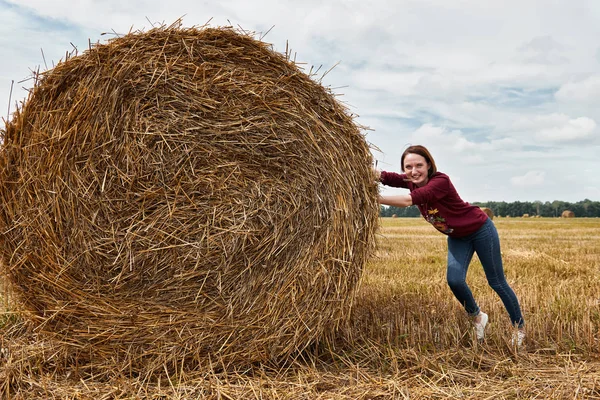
pixel 568 214
pixel 182 193
pixel 394 216
pixel 488 212
pixel 525 215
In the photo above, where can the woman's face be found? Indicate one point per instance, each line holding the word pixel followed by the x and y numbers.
pixel 416 169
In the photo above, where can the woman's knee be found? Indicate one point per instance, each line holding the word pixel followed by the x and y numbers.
pixel 456 282
pixel 498 284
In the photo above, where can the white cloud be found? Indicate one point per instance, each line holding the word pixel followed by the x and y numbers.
pixel 543 50
pixel 403 84
pixel 586 90
pixel 451 140
pixel 556 128
pixel 455 141
pixel 531 178
pixel 572 129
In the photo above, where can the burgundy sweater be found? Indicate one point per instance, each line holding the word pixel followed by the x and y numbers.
pixel 440 204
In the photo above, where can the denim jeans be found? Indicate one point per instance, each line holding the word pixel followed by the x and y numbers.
pixel 486 244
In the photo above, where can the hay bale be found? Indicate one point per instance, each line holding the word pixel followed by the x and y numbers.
pixel 184 193
pixel 488 212
pixel 568 214
pixel 525 215
pixel 394 216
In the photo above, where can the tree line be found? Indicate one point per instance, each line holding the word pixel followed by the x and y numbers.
pixel 585 208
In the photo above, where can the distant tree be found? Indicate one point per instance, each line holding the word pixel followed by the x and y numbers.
pixel 538 206
pixel 585 208
pixel 401 212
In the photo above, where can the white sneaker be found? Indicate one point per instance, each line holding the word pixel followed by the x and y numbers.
pixel 518 338
pixel 480 326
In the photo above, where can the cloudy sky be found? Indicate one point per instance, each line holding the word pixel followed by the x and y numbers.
pixel 506 94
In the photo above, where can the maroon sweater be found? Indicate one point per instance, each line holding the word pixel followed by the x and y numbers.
pixel 440 204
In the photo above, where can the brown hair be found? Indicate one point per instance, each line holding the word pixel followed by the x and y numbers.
pixel 423 152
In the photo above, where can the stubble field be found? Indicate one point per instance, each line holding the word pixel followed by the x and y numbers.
pixel 408 337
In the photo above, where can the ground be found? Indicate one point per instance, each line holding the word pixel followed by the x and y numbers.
pixel 407 336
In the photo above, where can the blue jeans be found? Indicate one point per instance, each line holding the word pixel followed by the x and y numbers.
pixel 487 245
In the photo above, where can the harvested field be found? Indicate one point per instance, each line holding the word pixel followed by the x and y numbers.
pixel 408 337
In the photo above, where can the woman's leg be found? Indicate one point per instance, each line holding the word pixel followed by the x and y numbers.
pixel 460 253
pixel 487 247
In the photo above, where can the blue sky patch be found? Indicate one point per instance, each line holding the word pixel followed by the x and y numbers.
pixel 516 97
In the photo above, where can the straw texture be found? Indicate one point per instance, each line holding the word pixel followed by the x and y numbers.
pixel 488 212
pixel 184 193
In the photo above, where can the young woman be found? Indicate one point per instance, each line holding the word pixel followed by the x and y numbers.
pixel 468 229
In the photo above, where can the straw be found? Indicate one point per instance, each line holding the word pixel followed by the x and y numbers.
pixel 184 194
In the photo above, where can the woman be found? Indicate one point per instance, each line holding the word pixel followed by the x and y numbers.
pixel 468 228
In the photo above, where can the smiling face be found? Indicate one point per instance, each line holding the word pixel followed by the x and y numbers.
pixel 416 169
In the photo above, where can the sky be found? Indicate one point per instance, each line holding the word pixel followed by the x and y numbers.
pixel 505 94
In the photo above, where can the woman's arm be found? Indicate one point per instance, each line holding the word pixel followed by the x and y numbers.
pixel 392 179
pixel 400 200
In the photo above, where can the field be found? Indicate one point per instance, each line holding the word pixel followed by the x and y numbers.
pixel 408 336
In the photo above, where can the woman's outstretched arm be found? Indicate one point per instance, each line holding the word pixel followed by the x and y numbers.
pixel 400 200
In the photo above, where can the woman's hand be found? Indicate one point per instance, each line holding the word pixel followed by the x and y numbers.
pixel 376 174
